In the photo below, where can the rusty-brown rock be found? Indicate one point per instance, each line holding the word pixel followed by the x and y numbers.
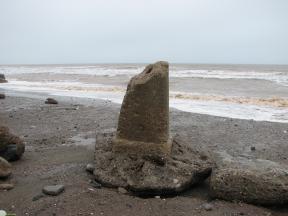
pixel 143 126
pixel 11 146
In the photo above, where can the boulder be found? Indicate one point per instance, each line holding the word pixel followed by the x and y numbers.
pixel 5 168
pixel 255 181
pixel 51 101
pixel 2 78
pixel 11 146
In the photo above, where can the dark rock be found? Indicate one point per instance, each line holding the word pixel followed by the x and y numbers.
pixel 252 148
pixel 11 146
pixel 2 96
pixel 53 190
pixel 51 101
pixel 249 180
pixel 95 184
pixel 5 168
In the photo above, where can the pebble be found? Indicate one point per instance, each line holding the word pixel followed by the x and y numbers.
pixel 122 190
pixel 53 190
pixel 90 168
pixel 6 186
pixel 208 206
pixel 253 148
pixel 157 197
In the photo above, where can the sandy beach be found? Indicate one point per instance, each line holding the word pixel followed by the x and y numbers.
pixel 143 108
pixel 60 142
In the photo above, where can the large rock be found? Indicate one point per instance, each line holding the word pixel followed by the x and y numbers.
pixel 254 181
pixel 5 168
pixel 2 78
pixel 143 125
pixel 11 146
pixel 51 101
pixel 150 175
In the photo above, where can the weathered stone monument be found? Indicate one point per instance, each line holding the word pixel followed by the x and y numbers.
pixel 141 156
pixel 143 126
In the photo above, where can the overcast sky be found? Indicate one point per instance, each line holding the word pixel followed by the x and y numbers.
pixel 107 31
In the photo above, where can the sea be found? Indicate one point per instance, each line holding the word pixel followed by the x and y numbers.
pixel 256 92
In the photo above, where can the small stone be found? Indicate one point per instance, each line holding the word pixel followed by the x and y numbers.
pixel 2 96
pixel 5 168
pixel 122 190
pixel 157 197
pixel 90 168
pixel 51 101
pixel 175 181
pixel 53 190
pixel 285 131
pixel 6 186
pixel 208 206
pixel 253 148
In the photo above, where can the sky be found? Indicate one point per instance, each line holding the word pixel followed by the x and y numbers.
pixel 143 31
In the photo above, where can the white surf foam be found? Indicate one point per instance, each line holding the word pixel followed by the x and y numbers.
pixel 279 77
pixel 116 94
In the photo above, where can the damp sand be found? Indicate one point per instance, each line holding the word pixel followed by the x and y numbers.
pixel 59 144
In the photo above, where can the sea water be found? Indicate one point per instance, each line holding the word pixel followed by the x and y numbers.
pixel 258 92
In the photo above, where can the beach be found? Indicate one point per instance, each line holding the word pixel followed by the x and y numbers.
pixel 210 109
pixel 60 141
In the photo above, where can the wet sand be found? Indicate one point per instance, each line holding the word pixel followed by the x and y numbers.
pixel 60 140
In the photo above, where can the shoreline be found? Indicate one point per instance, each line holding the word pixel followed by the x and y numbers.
pixel 270 109
pixel 60 142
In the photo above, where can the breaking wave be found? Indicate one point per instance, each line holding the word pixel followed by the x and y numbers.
pixel 274 102
pixel 279 76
